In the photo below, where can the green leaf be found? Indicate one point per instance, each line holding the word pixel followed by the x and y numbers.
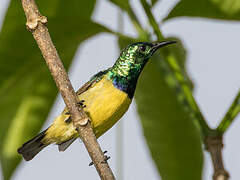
pixel 229 7
pixel 27 90
pixel 217 9
pixel 172 138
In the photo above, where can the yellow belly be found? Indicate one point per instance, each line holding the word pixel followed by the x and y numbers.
pixel 105 105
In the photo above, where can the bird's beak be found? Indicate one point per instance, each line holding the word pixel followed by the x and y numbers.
pixel 158 45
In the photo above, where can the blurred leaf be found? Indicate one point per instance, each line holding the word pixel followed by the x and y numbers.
pixel 230 7
pixel 172 138
pixel 217 9
pixel 123 4
pixel 27 90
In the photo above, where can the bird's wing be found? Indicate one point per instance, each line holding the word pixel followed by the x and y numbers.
pixel 64 145
pixel 97 77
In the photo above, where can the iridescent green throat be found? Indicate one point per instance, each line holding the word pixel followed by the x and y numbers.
pixel 125 72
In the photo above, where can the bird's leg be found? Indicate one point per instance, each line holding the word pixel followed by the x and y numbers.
pixel 105 159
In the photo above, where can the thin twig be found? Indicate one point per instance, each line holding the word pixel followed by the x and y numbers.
pixel 36 24
pixel 214 146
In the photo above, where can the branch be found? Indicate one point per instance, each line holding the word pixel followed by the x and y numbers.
pixel 214 146
pixel 36 24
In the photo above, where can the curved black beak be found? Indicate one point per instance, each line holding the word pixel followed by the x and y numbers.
pixel 156 46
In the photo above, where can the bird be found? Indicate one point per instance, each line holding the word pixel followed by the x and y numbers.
pixel 105 98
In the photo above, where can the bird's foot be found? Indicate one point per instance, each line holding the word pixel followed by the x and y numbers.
pixel 67 113
pixel 81 103
pixel 104 161
pixel 68 120
pixel 106 158
pixel 91 163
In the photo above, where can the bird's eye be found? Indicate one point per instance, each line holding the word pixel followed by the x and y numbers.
pixel 142 48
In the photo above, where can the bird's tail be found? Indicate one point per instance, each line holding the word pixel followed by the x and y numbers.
pixel 32 147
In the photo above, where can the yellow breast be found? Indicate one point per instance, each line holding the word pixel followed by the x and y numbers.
pixel 105 105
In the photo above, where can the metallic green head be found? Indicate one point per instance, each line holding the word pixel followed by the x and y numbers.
pixel 130 63
pixel 140 52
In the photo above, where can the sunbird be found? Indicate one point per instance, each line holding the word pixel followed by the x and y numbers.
pixel 105 98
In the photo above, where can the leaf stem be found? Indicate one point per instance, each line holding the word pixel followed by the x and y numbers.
pixel 36 24
pixel 230 115
pixel 151 19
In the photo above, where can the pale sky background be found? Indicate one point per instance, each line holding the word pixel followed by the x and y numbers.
pixel 213 63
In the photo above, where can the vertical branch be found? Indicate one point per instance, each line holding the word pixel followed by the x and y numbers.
pixel 36 24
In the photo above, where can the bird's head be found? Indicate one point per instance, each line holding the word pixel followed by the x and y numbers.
pixel 133 58
pixel 140 52
pixel 130 63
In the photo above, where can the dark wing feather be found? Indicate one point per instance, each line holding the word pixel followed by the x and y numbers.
pixel 64 145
